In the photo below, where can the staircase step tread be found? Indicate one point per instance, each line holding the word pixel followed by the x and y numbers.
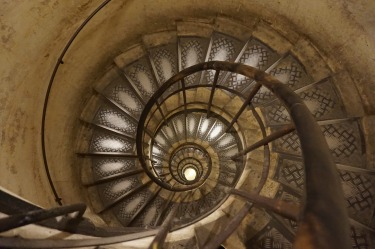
pixel 130 55
pixel 160 38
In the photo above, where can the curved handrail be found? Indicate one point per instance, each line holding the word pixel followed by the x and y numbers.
pixel 35 216
pixel 324 223
pixel 46 98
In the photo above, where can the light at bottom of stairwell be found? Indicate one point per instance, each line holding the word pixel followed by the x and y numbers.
pixel 190 174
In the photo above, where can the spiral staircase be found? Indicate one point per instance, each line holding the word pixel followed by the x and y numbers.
pixel 171 139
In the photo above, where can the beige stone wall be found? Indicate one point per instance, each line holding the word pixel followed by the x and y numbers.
pixel 34 32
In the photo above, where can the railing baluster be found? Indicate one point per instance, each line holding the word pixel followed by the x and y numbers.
pixel 269 69
pixel 317 159
pixel 216 77
pixel 185 105
pixel 300 90
pixel 289 210
pixel 161 112
pixel 144 205
pixel 159 239
pixel 35 216
pixel 273 136
pixel 227 74
pixel 233 224
pixel 253 92
pixel 208 51
pixel 164 208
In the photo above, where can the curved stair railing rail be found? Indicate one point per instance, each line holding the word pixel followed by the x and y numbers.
pixel 323 221
pixel 323 218
pixel 59 62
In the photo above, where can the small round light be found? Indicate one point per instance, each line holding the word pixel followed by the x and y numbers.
pixel 190 174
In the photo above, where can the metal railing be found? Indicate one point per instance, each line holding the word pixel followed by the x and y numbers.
pixel 323 222
pixel 59 62
pixel 323 219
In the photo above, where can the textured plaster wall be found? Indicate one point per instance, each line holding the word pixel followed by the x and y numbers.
pixel 31 35
pixel 34 32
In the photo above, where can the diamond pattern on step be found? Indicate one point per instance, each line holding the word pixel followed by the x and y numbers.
pixel 227 153
pixel 148 217
pixel 211 199
pixel 360 238
pixel 226 178
pixel 129 207
pixel 224 142
pixel 108 143
pixel 111 166
pixel 158 168
pixel 165 61
pixel 272 238
pixel 116 120
pixel 192 124
pixel 276 114
pixel 192 53
pixel 113 190
pixel 288 195
pixel 343 140
pixel 215 131
pixel 223 48
pixel 141 75
pixel 162 141
pixel 193 210
pixel 169 133
pixel 228 166
pixel 188 210
pixel 289 72
pixel 238 82
pixel 359 191
pixel 321 100
pixel 124 96
pixel 204 126
pixel 288 144
pixel 290 173
pixel 169 208
pixel 180 126
pixel 256 55
pixel 158 151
